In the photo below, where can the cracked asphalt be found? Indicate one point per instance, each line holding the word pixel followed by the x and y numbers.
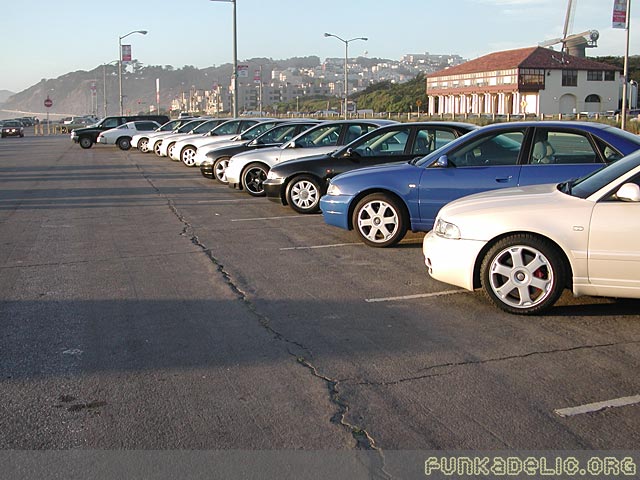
pixel 146 307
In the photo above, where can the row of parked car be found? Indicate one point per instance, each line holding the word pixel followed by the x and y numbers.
pixel 380 178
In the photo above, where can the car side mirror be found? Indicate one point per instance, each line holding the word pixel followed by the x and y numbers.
pixel 629 192
pixel 442 162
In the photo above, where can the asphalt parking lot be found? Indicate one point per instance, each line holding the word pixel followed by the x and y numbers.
pixel 147 307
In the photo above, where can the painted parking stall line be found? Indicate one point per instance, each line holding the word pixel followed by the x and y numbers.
pixel 411 297
pixel 312 247
pixel 597 406
pixel 257 219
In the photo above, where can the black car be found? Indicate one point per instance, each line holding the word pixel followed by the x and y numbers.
pixel 301 182
pixel 86 137
pixel 218 158
pixel 12 128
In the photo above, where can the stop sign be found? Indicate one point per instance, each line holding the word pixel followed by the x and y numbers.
pixel 48 103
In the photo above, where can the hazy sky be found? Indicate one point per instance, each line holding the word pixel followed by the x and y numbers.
pixel 46 39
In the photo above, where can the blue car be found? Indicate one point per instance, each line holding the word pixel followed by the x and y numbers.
pixel 382 202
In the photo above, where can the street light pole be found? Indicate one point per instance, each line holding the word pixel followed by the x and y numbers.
pixel 104 86
pixel 234 75
pixel 142 32
pixel 346 67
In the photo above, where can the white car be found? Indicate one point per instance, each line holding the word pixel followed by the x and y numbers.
pixel 222 130
pixel 323 138
pixel 165 146
pixel 121 135
pixel 525 245
pixel 187 148
pixel 154 142
pixel 141 140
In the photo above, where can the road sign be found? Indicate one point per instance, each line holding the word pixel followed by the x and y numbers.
pixel 48 103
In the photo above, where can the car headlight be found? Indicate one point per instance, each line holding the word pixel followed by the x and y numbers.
pixel 447 230
pixel 333 189
pixel 273 176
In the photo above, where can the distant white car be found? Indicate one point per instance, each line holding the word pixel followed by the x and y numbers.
pixel 121 135
pixel 525 245
pixel 225 130
pixel 141 140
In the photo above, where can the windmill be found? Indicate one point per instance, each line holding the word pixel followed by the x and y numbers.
pixel 574 44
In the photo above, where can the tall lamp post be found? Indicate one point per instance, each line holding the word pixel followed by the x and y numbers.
pixel 104 86
pixel 234 75
pixel 346 66
pixel 142 32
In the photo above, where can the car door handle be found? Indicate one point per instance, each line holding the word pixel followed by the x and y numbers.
pixel 504 180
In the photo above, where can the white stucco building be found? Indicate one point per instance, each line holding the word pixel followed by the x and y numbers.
pixel 532 80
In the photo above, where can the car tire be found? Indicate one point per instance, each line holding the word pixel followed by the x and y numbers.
pixel 523 274
pixel 124 143
pixel 188 156
pixel 143 145
pixel 220 169
pixel 85 142
pixel 380 220
pixel 253 177
pixel 170 149
pixel 156 147
pixel 303 194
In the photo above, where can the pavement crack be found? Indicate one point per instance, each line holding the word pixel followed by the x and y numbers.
pixel 526 355
pixel 189 232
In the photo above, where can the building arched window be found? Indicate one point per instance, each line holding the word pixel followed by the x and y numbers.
pixel 593 98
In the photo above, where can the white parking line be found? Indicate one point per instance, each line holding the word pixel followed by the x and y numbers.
pixel 225 201
pixel 271 218
pixel 597 406
pixel 323 246
pixel 411 297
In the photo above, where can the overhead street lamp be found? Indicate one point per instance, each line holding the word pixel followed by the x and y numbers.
pixel 346 66
pixel 142 32
pixel 234 75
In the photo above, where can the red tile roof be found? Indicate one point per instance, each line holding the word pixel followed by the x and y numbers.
pixel 532 57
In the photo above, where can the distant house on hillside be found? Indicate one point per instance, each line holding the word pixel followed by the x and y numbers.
pixel 529 80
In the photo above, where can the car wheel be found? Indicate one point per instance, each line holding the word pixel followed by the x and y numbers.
pixel 86 142
pixel 380 220
pixel 188 156
pixel 253 177
pixel 170 149
pixel 220 169
pixel 124 143
pixel 523 274
pixel 156 147
pixel 303 194
pixel 143 145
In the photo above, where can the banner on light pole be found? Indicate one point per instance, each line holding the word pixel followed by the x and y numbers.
pixel 126 53
pixel 619 14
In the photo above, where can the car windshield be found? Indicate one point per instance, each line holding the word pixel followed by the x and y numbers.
pixel 187 127
pixel 227 128
pixel 280 134
pixel 257 130
pixel 589 184
pixel 206 127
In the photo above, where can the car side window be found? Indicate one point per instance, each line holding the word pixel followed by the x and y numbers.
pixel 492 149
pixel 111 123
pixel 390 142
pixel 428 140
pixel 561 147
pixel 609 153
pixel 353 133
pixel 322 137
